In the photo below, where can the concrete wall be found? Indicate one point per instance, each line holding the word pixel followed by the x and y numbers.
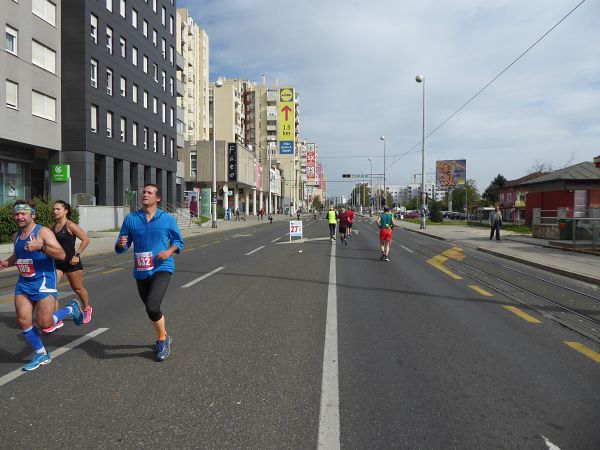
pixel 97 218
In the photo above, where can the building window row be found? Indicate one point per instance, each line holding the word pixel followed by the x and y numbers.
pixel 135 15
pixel 42 105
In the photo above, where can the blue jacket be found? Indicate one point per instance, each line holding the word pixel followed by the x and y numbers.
pixel 150 238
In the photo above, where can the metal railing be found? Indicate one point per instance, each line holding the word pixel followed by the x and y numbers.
pixel 584 233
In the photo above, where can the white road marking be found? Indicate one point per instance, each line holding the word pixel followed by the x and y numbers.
pixel 407 249
pixel 276 239
pixel 55 354
pixel 329 414
pixel 550 445
pixel 255 250
pixel 206 275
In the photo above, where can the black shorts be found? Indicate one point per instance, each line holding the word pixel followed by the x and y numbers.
pixel 66 267
pixel 342 229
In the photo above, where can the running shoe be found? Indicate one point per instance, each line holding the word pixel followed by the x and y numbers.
pixel 37 361
pixel 387 259
pixel 163 349
pixel 53 327
pixel 77 314
pixel 382 257
pixel 87 315
pixel 346 241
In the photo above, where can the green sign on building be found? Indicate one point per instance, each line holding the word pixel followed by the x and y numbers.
pixel 59 172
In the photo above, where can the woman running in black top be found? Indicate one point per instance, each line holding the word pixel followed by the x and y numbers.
pixel 66 233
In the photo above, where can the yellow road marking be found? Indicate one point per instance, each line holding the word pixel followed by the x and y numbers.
pixel 112 270
pixel 481 291
pixel 585 350
pixel 435 262
pixel 522 314
pixel 454 253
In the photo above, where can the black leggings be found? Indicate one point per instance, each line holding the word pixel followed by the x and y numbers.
pixel 331 229
pixel 152 290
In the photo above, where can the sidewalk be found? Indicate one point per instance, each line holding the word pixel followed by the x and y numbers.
pixel 517 247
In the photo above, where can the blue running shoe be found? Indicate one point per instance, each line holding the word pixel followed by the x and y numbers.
pixel 77 314
pixel 163 349
pixel 37 361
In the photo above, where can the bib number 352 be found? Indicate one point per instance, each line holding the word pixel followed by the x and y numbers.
pixel 144 261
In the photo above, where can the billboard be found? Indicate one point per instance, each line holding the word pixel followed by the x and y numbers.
pixel 451 172
pixel 286 120
pixel 311 163
pixel 232 163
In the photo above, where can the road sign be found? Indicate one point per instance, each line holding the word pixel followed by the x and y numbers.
pixel 60 172
pixel 295 228
pixel 361 176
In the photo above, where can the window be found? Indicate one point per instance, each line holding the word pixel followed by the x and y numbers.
pixel 155 71
pixel 45 10
pixel 123 44
pixel 12 94
pixel 154 5
pixel 164 112
pixel 155 38
pixel 94 73
pixel 94 28
pixel 109 41
pixel 134 93
pixel 145 28
pixel 155 105
pixel 193 164
pixel 109 124
pixel 145 64
pixel 164 80
pixel 163 16
pixel 94 119
pixel 109 81
pixel 109 5
pixel 134 20
pixel 123 129
pixel 134 56
pixel 172 148
pixel 122 7
pixel 172 117
pixel 163 47
pixel 134 133
pixel 163 147
pixel 155 141
pixel 172 55
pixel 171 25
pixel 146 99
pixel 145 138
pixel 43 105
pixel 123 87
pixel 172 86
pixel 11 40
pixel 43 56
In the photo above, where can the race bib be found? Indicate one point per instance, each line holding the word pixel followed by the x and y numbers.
pixel 144 261
pixel 25 267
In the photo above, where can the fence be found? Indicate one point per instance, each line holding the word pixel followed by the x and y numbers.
pixel 583 233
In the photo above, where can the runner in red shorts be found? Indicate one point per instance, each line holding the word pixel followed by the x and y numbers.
pixel 386 223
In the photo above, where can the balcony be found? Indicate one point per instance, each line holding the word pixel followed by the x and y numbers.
pixel 180 61
pixel 271 128
pixel 180 141
pixel 180 88
pixel 180 113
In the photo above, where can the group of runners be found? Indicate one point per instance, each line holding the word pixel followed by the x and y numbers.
pixel 43 255
pixel 343 219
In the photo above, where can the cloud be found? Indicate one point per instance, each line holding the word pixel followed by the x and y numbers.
pixel 354 64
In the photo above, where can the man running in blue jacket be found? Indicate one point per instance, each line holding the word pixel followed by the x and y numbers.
pixel 155 237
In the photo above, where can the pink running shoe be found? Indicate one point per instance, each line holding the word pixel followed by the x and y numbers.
pixel 87 315
pixel 53 327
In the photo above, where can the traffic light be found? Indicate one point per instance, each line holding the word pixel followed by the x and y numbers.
pixel 346 175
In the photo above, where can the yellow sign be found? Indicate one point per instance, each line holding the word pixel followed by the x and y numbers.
pixel 286 123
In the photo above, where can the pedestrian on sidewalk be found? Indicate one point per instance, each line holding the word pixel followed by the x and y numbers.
pixel 386 223
pixel 66 233
pixel 332 221
pixel 495 223
pixel 155 237
pixel 36 248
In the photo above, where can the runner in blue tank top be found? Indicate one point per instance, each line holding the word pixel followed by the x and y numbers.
pixel 36 248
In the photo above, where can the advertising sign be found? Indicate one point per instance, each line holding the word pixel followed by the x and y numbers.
pixel 295 228
pixel 286 121
pixel 60 172
pixel 259 179
pixel 205 202
pixel 311 162
pixel 232 169
pixel 451 172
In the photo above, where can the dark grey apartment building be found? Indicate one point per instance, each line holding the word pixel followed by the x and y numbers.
pixel 119 97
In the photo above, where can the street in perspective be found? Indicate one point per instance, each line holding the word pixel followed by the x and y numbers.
pixel 299 226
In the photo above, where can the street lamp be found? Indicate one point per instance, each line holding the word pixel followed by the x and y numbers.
pixel 218 84
pixel 371 187
pixel 384 192
pixel 421 79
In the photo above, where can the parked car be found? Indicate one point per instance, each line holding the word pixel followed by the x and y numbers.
pixel 412 215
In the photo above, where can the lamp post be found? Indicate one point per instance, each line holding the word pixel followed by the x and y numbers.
pixel 218 84
pixel 371 187
pixel 421 79
pixel 384 191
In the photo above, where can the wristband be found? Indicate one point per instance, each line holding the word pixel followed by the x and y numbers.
pixel 77 254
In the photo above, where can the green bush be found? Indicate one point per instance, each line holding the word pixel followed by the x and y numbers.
pixel 43 215
pixel 220 212
pixel 435 212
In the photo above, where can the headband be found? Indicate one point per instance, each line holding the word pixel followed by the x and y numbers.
pixel 24 207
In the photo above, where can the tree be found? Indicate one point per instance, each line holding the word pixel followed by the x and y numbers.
pixel 459 192
pixel 361 190
pixel 435 212
pixel 491 192
pixel 316 203
pixel 538 166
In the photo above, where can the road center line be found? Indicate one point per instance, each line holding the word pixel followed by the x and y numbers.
pixel 56 353
pixel 276 239
pixel 407 249
pixel 206 275
pixel 255 250
pixel 595 356
pixel 522 314
pixel 329 414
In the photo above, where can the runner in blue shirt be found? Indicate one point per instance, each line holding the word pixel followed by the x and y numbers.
pixel 155 237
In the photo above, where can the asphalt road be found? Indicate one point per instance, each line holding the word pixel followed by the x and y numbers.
pixel 414 356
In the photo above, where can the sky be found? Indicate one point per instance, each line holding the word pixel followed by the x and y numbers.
pixel 354 64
